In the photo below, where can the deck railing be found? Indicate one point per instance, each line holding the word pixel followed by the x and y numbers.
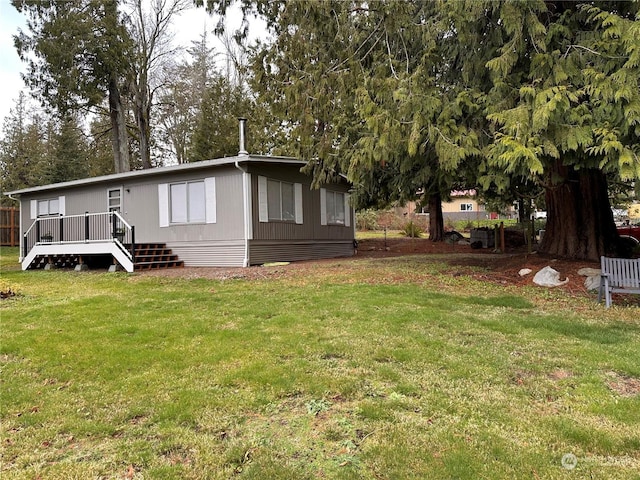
pixel 87 228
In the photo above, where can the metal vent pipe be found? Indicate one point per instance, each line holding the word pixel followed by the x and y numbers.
pixel 242 126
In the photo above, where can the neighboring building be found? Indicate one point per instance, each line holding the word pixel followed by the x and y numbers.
pixel 464 205
pixel 236 211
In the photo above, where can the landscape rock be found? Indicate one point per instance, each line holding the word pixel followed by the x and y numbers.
pixel 589 272
pixel 592 282
pixel 524 271
pixel 548 277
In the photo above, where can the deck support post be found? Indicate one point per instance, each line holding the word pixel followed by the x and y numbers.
pixel 81 267
pixel 50 265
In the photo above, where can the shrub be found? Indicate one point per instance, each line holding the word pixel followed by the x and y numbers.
pixel 367 220
pixel 449 224
pixel 411 230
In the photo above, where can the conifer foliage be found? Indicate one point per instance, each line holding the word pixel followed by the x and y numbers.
pixel 565 102
pixel 422 96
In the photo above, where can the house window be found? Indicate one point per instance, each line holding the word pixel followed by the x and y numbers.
pixel 187 202
pixel 466 207
pixel 281 202
pixel 335 208
pixel 48 207
pixel 114 200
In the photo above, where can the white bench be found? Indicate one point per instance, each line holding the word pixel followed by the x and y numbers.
pixel 619 275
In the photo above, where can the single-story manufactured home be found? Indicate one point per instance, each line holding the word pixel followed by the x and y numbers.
pixel 228 212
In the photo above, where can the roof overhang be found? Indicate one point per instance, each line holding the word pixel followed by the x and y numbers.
pixel 185 167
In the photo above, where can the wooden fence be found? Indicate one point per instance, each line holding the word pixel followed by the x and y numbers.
pixel 9 227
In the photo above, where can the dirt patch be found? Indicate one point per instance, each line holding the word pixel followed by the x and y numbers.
pixel 623 385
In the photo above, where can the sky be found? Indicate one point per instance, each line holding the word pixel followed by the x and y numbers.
pixel 188 27
pixel 10 64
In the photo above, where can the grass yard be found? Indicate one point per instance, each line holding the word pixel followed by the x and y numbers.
pixel 388 368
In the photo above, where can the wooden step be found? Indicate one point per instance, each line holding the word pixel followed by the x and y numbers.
pixel 160 256
pixel 154 265
pixel 153 256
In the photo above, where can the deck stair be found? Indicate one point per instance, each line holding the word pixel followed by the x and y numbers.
pixel 151 256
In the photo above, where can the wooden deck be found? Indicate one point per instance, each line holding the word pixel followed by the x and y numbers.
pixel 69 241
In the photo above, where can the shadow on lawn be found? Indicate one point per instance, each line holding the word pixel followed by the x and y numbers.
pixel 602 334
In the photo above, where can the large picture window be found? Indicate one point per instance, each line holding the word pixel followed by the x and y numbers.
pixel 187 202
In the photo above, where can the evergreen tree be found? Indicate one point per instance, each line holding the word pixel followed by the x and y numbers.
pixel 78 54
pixel 23 150
pixel 216 131
pixel 100 160
pixel 515 92
pixel 565 101
pixel 361 93
pixel 70 152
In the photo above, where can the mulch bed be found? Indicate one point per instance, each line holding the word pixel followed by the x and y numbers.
pixel 502 268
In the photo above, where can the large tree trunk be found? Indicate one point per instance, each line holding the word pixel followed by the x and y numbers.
pixel 579 218
pixel 119 136
pixel 142 121
pixel 436 219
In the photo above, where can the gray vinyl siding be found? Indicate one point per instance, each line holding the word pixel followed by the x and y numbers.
pixel 210 254
pixel 291 251
pixel 140 206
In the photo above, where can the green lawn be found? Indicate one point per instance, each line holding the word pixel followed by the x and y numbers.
pixel 354 369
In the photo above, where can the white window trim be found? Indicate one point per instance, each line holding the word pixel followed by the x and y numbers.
pixel 34 207
pixel 119 206
pixel 468 207
pixel 263 201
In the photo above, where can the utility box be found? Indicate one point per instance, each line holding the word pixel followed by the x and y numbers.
pixel 485 236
